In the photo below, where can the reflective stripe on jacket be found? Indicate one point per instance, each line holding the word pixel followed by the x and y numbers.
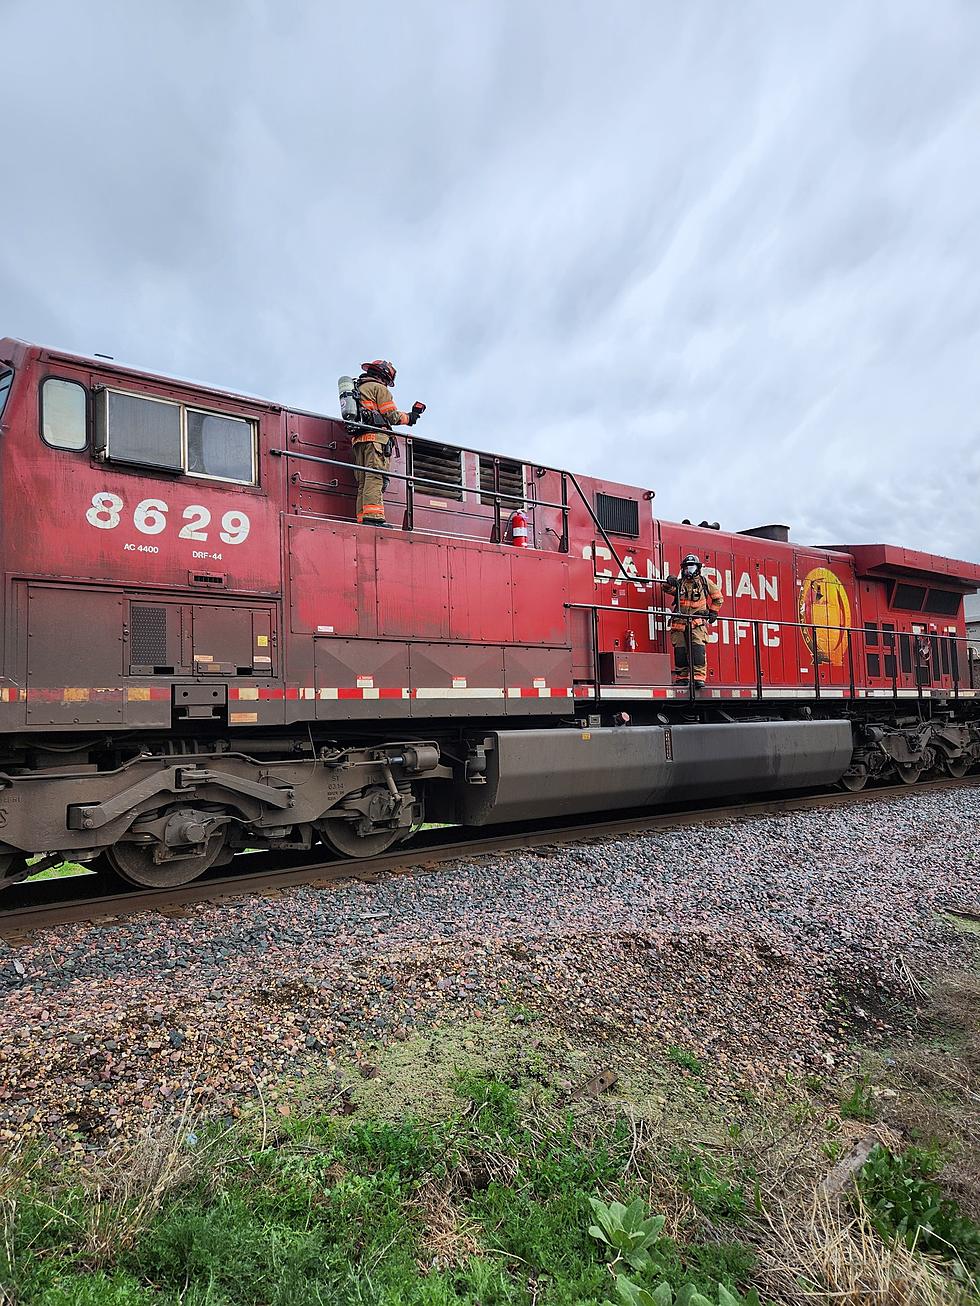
pixel 375 397
pixel 696 595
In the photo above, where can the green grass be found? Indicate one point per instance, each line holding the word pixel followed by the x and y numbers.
pixel 483 1208
pixel 62 871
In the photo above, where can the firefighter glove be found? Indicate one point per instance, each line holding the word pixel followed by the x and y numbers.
pixel 672 582
pixel 418 408
pixel 711 616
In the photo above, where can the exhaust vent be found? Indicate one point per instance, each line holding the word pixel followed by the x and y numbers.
pixel 778 533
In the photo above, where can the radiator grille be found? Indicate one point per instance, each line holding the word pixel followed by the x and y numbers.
pixel 618 516
pixel 438 462
pixel 148 639
pixel 511 483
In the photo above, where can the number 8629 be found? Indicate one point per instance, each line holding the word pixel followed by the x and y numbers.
pixel 150 518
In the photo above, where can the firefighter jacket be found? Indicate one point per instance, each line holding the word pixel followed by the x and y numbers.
pixel 377 407
pixel 697 594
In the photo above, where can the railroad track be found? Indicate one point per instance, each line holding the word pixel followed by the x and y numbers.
pixel 47 903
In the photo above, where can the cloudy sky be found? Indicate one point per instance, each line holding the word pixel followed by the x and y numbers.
pixel 726 251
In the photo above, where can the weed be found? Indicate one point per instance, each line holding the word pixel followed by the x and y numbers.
pixel 630 1294
pixel 686 1060
pixel 713 1195
pixel 858 1105
pixel 903 1198
pixel 626 1230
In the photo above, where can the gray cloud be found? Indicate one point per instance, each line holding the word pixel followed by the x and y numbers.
pixel 728 252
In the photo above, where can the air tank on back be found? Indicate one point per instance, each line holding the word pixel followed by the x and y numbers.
pixel 347 388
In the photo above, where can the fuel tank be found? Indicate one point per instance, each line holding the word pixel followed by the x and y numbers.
pixel 532 773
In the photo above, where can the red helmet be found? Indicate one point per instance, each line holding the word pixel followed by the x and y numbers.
pixel 382 369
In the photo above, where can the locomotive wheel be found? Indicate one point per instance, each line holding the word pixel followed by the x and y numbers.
pixel 957 767
pixel 344 840
pixel 856 782
pixel 909 774
pixel 134 863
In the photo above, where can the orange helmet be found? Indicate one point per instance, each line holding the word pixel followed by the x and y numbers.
pixel 382 369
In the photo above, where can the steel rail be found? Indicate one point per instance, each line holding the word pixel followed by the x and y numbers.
pixel 19 922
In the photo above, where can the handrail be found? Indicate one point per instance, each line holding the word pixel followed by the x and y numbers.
pixel 402 476
pixel 597 609
pixel 563 508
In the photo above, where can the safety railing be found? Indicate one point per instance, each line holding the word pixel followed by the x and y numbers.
pixel 500 496
pixel 925 668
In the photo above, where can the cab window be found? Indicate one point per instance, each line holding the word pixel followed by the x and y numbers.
pixel 220 446
pixel 6 380
pixel 134 429
pixel 63 414
pixel 172 437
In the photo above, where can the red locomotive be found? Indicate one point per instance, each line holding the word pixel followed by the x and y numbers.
pixel 203 651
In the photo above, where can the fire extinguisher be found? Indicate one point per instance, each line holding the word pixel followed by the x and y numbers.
pixel 630 641
pixel 518 529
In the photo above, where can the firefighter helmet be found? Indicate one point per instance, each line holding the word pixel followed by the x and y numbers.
pixel 691 566
pixel 382 369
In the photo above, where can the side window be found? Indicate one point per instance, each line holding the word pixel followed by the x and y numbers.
pixel 6 381
pixel 220 446
pixel 132 429
pixel 63 420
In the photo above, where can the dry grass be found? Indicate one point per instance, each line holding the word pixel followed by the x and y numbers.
pixel 130 1185
pixel 448 1236
pixel 829 1252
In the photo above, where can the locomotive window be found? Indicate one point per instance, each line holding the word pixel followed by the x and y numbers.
pixel 954 664
pixel 905 646
pixel 220 446
pixel 63 422
pixel 944 655
pixel 944 602
pixel 132 429
pixel 888 642
pixel 6 380
pixel 874 664
pixel 871 634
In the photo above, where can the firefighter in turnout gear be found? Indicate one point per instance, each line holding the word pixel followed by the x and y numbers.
pixel 699 598
pixel 373 450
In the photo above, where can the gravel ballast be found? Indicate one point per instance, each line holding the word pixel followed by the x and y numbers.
pixel 756 944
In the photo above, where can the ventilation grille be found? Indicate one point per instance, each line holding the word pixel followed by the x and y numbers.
pixel 437 462
pixel 943 602
pixel 910 597
pixel 511 483
pixel 618 516
pixel 148 640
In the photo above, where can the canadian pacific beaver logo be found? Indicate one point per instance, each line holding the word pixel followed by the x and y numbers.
pixel 824 602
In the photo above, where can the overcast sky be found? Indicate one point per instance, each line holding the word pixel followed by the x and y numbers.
pixel 727 251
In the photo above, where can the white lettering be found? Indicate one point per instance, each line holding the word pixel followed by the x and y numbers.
pixel 150 518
